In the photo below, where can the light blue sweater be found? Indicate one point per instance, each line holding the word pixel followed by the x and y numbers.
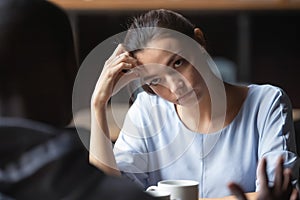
pixel 155 145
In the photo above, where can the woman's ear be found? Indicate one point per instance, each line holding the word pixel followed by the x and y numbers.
pixel 199 37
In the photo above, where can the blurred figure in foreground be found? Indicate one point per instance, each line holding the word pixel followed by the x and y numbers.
pixel 39 157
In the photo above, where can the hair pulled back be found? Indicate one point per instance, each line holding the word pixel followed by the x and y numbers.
pixel 148 26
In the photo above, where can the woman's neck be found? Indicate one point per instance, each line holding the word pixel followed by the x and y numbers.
pixel 216 108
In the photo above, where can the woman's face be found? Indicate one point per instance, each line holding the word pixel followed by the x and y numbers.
pixel 169 75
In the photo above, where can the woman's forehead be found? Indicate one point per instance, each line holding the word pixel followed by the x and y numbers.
pixel 170 44
pixel 165 46
pixel 153 56
pixel 159 50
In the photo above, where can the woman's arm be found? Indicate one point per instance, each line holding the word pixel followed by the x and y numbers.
pixel 276 131
pixel 111 80
pixel 101 152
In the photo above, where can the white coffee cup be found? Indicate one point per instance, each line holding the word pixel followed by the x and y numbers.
pixel 160 195
pixel 179 189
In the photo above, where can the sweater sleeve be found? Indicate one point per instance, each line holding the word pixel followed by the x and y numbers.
pixel 276 132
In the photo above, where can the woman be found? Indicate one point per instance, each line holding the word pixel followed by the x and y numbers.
pixel 188 124
pixel 40 157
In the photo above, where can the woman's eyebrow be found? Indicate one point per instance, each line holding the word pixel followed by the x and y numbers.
pixel 172 58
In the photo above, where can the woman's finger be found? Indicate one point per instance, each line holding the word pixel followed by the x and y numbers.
pixel 124 80
pixel 119 50
pixel 294 195
pixel 124 57
pixel 287 180
pixel 237 191
pixel 116 58
pixel 278 181
pixel 262 175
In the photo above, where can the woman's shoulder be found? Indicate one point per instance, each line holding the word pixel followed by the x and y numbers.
pixel 266 92
pixel 265 89
pixel 266 95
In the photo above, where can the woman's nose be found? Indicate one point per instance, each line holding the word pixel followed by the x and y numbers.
pixel 175 85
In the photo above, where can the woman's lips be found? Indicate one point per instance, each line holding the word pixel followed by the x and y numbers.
pixel 184 97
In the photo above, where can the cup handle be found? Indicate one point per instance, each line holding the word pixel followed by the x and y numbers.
pixel 152 188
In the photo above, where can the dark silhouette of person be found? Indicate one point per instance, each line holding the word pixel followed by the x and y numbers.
pixel 39 157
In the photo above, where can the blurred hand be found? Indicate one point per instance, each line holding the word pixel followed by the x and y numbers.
pixel 281 190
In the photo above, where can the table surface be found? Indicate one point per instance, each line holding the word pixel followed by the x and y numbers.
pixel 250 196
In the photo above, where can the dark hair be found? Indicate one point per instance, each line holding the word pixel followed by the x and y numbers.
pixel 37 60
pixel 143 29
pixel 137 38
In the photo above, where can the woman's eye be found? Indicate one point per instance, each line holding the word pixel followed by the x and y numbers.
pixel 178 63
pixel 154 82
